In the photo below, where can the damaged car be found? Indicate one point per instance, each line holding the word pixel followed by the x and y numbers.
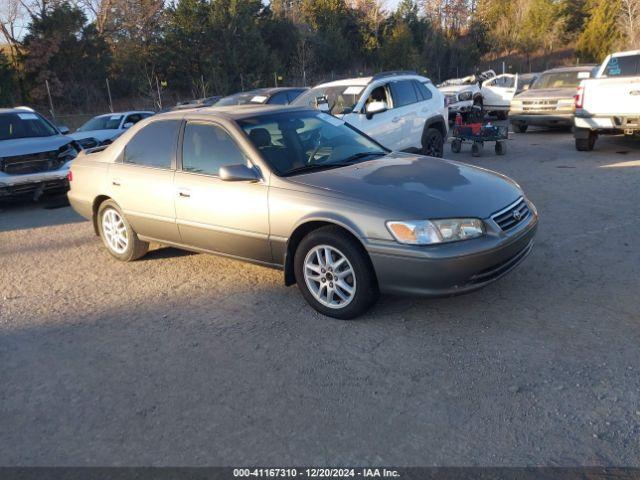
pixel 34 154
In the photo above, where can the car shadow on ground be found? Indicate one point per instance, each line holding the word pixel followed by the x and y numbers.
pixel 24 213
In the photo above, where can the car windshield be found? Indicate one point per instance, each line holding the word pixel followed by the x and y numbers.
pixel 104 122
pixel 24 125
pixel 625 66
pixel 557 80
pixel 243 99
pixel 341 99
pixel 299 142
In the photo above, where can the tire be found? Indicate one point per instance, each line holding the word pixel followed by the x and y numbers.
pixel 476 149
pixel 456 145
pixel 586 144
pixel 433 143
pixel 502 115
pixel 314 278
pixel 123 243
pixel 501 148
pixel 520 127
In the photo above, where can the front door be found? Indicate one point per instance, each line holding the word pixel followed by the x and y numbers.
pixel 497 92
pixel 225 217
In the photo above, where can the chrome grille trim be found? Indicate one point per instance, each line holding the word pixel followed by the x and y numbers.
pixel 505 218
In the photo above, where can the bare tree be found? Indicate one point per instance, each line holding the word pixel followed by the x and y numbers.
pixel 629 21
pixel 12 25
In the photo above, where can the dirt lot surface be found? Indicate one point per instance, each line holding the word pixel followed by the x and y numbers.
pixel 186 359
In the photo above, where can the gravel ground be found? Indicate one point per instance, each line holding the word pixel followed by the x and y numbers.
pixel 186 359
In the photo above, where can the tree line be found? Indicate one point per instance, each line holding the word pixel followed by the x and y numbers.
pixel 79 51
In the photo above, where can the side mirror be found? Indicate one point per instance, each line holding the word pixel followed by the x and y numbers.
pixel 127 125
pixel 64 130
pixel 238 173
pixel 375 107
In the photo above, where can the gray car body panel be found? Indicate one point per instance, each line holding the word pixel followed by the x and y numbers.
pixel 257 220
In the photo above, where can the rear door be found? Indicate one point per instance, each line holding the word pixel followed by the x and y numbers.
pixel 225 217
pixel 142 183
pixel 497 92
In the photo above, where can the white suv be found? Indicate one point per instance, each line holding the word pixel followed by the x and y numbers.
pixel 401 110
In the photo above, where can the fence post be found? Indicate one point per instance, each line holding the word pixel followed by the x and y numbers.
pixel 109 93
pixel 53 114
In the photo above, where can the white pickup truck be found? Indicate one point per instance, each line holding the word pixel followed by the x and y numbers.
pixel 609 103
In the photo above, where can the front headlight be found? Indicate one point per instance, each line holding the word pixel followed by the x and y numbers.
pixel 465 96
pixel 428 232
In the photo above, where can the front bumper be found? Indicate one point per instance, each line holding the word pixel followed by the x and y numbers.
pixel 451 269
pixel 542 119
pixel 35 183
pixel 460 107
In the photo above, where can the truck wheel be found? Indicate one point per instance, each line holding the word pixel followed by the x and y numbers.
pixel 501 148
pixel 502 115
pixel 586 144
pixel 432 143
pixel 334 274
pixel 476 149
pixel 456 145
pixel 520 127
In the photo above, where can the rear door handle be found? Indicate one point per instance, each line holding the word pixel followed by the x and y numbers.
pixel 115 182
pixel 184 192
pixel 395 119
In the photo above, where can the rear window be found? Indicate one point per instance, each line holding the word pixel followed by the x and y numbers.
pixel 154 145
pixel 557 80
pixel 626 66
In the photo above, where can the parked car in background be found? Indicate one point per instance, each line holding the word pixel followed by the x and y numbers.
pixel 485 91
pixel 197 103
pixel 104 129
pixel 300 190
pixel 550 100
pixel 401 110
pixel 263 96
pixel 34 154
pixel 610 102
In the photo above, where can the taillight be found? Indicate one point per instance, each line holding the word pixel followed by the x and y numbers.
pixel 70 175
pixel 579 97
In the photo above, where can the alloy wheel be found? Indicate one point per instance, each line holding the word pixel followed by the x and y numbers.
pixel 115 231
pixel 329 276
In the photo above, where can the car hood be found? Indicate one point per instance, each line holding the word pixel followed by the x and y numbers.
pixel 457 88
pixel 417 187
pixel 547 94
pixel 101 135
pixel 26 146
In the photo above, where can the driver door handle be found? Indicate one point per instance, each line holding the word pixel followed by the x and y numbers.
pixel 184 192
pixel 115 182
pixel 395 119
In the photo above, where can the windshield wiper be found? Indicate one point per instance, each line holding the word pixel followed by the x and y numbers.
pixel 312 168
pixel 359 156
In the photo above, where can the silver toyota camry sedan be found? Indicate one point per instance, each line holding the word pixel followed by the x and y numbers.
pixel 299 190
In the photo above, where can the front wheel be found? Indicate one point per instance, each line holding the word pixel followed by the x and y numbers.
pixel 456 145
pixel 520 127
pixel 117 235
pixel 334 274
pixel 433 143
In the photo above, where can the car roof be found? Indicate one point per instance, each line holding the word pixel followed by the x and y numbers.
pixel 230 112
pixel 123 113
pixel 580 68
pixel 364 81
pixel 17 110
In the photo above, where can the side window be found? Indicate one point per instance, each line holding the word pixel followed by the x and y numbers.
pixel 293 94
pixel 133 118
pixel 154 145
pixel 378 94
pixel 422 91
pixel 279 98
pixel 403 93
pixel 207 147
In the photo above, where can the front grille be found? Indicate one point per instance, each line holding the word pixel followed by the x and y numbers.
pixel 512 216
pixel 36 188
pixel 34 163
pixel 539 105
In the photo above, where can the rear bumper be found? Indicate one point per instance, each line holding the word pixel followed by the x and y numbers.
pixel 542 120
pixel 438 271
pixel 608 123
pixel 34 183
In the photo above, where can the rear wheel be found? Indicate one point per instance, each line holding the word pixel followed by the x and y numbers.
pixel 433 143
pixel 456 145
pixel 501 148
pixel 586 144
pixel 334 274
pixel 476 149
pixel 520 127
pixel 117 235
pixel 501 115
